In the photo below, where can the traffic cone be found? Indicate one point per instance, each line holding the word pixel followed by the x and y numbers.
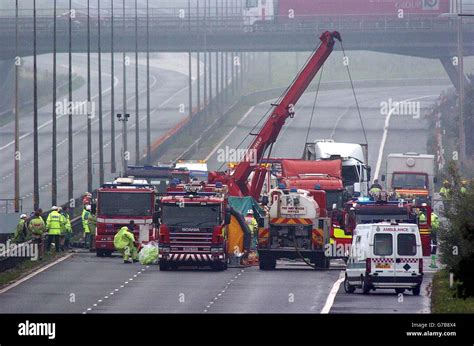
pixel 433 262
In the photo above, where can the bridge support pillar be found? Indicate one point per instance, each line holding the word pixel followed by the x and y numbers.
pixel 452 71
pixel 7 72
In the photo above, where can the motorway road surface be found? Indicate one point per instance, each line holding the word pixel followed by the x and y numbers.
pixel 168 91
pixel 84 283
pixel 103 285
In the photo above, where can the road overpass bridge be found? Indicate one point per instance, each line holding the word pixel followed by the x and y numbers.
pixel 434 38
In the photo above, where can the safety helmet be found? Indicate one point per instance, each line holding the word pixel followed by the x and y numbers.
pixel 88 207
pixel 445 182
pixel 250 211
pixel 54 207
pixel 464 182
pixel 23 216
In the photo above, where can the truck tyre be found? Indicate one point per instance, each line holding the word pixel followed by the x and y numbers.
pixel 267 263
pixel 348 287
pixel 416 290
pixel 218 266
pixel 101 253
pixel 365 286
pixel 321 262
pixel 164 266
pixel 399 290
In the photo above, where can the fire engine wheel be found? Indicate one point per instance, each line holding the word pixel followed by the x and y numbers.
pixel 267 264
pixel 399 290
pixel 218 266
pixel 103 253
pixel 365 286
pixel 163 266
pixel 416 290
pixel 348 287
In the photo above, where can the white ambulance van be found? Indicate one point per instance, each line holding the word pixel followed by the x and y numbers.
pixel 385 255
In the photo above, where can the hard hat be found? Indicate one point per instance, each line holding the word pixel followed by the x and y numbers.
pixel 88 207
pixel 23 216
pixel 464 182
pixel 250 211
pixel 54 207
pixel 446 182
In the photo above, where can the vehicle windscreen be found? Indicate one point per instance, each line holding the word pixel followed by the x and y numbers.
pixel 182 177
pixel 383 245
pixel 125 204
pixel 160 184
pixel 409 181
pixel 406 245
pixel 191 215
pixel 333 197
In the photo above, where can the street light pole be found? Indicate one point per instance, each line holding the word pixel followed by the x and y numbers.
pixel 101 127
pixel 124 82
pixel 190 68
pixel 17 117
pixel 35 117
pixel 89 120
pixel 137 103
pixel 124 119
pixel 462 135
pixel 113 167
pixel 148 113
pixel 70 146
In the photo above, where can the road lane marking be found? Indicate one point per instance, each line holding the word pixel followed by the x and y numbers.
pixel 229 134
pixel 332 294
pixel 40 270
pixel 221 293
pixel 385 133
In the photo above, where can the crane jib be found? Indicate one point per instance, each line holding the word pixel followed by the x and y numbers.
pixel 273 125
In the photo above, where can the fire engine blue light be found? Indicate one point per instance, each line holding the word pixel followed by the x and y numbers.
pixel 363 199
pixel 281 186
pixel 317 187
pixel 219 185
pixel 294 190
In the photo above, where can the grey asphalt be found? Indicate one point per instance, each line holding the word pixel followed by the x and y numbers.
pixel 169 91
pixel 293 287
pixel 336 117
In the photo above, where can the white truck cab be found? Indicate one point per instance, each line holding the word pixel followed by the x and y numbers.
pixel 385 255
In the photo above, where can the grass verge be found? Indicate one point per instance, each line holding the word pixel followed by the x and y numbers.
pixel 443 300
pixel 25 268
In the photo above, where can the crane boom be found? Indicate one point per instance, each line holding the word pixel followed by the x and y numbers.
pixel 237 182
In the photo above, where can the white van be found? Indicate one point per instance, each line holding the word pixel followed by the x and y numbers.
pixel 385 255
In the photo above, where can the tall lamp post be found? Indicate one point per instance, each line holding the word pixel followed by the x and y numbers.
pixel 124 119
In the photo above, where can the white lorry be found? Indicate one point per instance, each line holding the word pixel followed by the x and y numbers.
pixel 410 174
pixel 355 168
pixel 385 255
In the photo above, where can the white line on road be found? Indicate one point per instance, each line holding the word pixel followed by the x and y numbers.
pixel 229 134
pixel 385 133
pixel 332 295
pixel 42 269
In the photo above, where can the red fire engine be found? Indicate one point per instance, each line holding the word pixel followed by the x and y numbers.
pixel 120 202
pixel 193 227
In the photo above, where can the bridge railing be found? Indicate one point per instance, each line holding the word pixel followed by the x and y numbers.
pixel 172 23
